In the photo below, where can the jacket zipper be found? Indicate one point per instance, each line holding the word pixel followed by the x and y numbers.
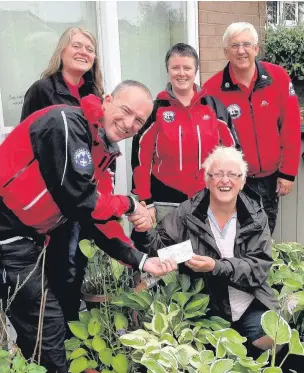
pixel 180 148
pixel 156 151
pixel 199 147
pixel 255 134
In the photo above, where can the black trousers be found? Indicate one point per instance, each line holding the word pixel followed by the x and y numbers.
pixel 266 188
pixel 65 268
pixel 18 259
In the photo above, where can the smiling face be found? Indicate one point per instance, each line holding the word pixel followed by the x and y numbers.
pixel 126 113
pixel 242 58
pixel 182 71
pixel 78 57
pixel 224 190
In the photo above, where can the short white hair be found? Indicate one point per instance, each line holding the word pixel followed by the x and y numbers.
pixel 222 154
pixel 238 27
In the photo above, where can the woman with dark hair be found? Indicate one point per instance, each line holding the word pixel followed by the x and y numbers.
pixel 73 72
pixel 168 152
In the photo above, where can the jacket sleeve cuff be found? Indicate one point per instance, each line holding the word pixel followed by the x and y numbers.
pixel 286 176
pixel 216 268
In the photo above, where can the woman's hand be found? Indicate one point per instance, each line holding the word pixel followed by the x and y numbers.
pixel 200 263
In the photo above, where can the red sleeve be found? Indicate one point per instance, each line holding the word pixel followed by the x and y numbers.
pixel 142 155
pixel 290 133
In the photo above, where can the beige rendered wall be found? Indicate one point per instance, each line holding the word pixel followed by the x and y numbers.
pixel 214 17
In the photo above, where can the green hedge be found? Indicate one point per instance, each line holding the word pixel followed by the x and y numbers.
pixel 285 46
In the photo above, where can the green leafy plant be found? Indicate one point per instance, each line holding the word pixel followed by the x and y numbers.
pixel 104 275
pixel 287 279
pixel 176 337
pixel 285 46
pixel 96 343
pixel 14 362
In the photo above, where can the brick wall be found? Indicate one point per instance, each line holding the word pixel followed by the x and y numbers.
pixel 214 17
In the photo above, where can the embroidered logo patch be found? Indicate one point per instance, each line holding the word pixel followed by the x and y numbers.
pixel 292 91
pixel 234 110
pixel 83 157
pixel 169 116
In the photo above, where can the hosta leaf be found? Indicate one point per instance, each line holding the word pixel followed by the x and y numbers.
pixel 168 339
pixel 198 286
pixel 184 281
pixel 170 289
pixel 106 357
pixel 120 363
pixel 221 366
pixel 186 336
pixel 134 341
pixel 88 248
pixel 70 344
pixel 79 329
pixel 198 302
pixel 292 284
pixel 117 269
pixel 264 357
pixel 158 307
pixel 181 298
pixel 233 336
pixel 153 366
pixel 207 356
pixel 220 350
pixel 77 353
pixel 190 315
pixel 78 365
pixel 144 334
pixel 88 343
pixel 84 316
pixel 167 360
pixel 94 326
pixel 98 343
pixel 273 370
pixel 276 327
pixel 234 348
pixel 295 345
pixel 92 364
pixel 224 323
pixel 185 353
pixel 137 355
pixel 159 323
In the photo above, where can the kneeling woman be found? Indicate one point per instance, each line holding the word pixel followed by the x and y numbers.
pixel 231 240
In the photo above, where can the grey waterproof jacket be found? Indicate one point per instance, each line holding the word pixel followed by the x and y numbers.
pixel 249 268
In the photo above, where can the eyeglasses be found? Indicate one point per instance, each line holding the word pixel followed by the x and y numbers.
pixel 246 45
pixel 219 175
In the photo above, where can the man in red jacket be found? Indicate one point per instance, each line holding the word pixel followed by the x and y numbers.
pixel 55 166
pixel 261 100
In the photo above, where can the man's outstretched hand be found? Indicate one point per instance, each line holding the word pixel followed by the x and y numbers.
pixel 158 268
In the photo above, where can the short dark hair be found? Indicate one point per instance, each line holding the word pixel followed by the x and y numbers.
pixel 184 50
pixel 131 83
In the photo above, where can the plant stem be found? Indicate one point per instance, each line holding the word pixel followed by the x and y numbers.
pixel 283 361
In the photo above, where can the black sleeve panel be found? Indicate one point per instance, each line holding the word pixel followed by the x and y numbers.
pixel 61 143
pixel 222 114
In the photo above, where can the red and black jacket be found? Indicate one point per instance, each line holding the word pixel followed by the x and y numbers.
pixel 168 152
pixel 267 121
pixel 54 167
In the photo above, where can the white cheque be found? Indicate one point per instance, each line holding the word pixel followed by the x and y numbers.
pixel 180 252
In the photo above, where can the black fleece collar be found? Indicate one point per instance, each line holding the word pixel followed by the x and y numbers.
pixel 246 209
pixel 263 79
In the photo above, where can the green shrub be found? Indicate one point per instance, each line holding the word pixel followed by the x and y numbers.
pixel 285 47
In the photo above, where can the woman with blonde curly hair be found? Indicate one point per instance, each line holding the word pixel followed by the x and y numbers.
pixel 73 72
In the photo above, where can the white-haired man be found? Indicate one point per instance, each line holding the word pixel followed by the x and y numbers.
pixel 231 241
pixel 265 112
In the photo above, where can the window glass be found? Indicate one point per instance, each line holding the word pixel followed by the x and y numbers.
pixel 29 33
pixel 147 29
